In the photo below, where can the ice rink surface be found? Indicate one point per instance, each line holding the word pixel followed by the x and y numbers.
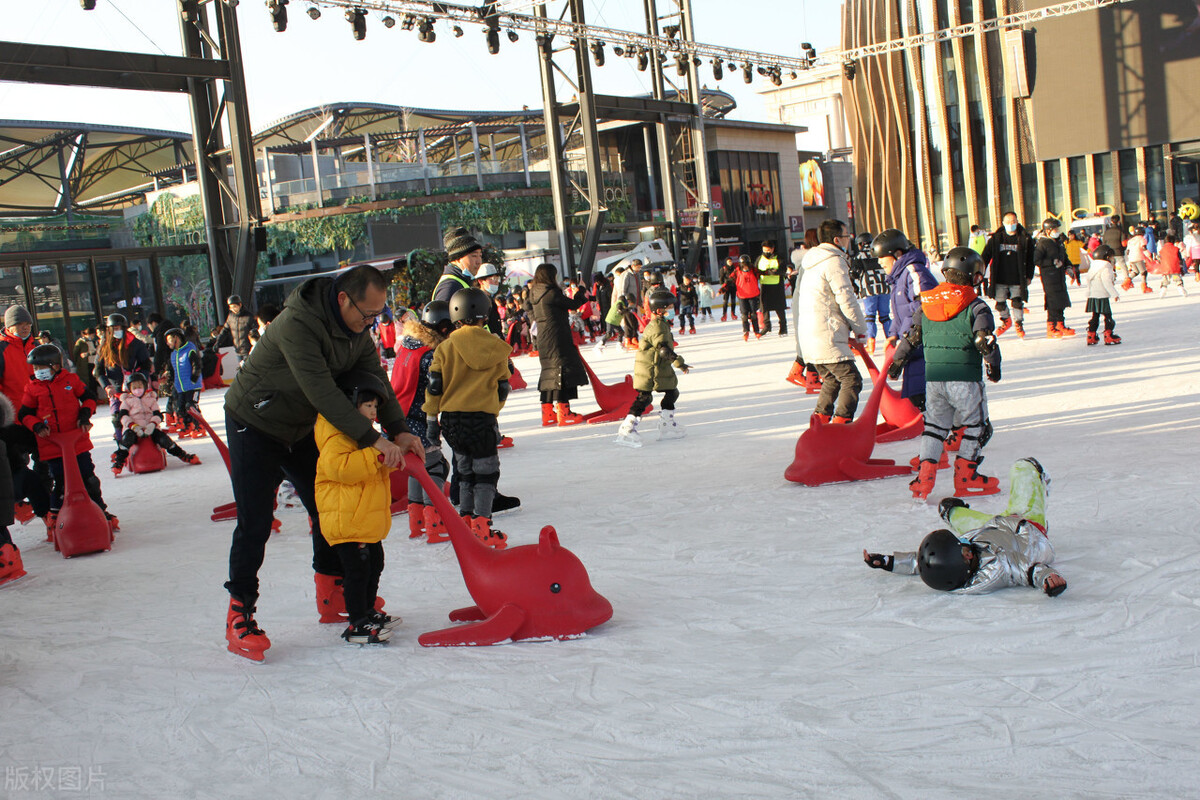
pixel 751 654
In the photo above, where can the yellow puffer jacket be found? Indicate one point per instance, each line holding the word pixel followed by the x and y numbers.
pixel 354 493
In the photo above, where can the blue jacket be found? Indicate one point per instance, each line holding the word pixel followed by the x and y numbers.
pixel 185 366
pixel 909 277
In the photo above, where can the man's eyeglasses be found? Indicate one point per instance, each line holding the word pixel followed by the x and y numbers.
pixel 365 316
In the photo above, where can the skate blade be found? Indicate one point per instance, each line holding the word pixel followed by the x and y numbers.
pixel 13 578
pixel 257 656
pixel 627 442
pixel 976 492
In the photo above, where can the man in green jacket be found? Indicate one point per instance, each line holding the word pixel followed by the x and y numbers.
pixel 270 411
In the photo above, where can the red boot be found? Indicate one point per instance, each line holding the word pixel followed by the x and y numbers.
pixel 1005 324
pixel 1093 338
pixel 11 567
pixel 243 634
pixel 1019 327
pixel 953 442
pixel 435 529
pixel 1111 338
pixel 943 462
pixel 821 418
pixel 483 530
pixel 840 421
pixel 548 416
pixel 416 520
pixel 968 481
pixel 568 417
pixel 796 375
pixel 23 512
pixel 812 382
pixel 331 601
pixel 1063 330
pixel 1052 331
pixel 922 485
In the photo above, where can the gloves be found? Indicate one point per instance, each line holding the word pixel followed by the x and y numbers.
pixel 502 389
pixel 879 561
pixel 84 417
pixel 433 431
pixel 985 342
pixel 993 371
pixel 949 504
pixel 895 370
pixel 41 429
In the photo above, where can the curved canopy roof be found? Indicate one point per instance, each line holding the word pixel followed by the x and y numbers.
pixel 48 167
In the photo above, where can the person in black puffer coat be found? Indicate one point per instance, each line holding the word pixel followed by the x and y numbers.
pixel 562 366
pixel 1051 259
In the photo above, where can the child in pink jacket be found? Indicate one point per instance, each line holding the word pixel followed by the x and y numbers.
pixel 140 418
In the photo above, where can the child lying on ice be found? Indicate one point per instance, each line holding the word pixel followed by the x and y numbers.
pixel 989 552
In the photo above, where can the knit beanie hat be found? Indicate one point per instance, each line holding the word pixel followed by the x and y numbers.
pixel 16 315
pixel 459 242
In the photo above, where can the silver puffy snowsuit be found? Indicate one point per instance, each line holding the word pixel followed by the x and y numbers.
pixel 1013 549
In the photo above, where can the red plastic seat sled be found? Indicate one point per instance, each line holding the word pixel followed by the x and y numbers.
pixel 81 526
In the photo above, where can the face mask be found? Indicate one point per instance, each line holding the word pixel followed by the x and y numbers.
pixel 671 315
pixel 1055 234
pixel 118 333
pixel 491 288
pixel 1010 228
pixel 43 373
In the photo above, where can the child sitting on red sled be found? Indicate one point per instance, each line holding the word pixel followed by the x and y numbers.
pixel 985 553
pixel 140 418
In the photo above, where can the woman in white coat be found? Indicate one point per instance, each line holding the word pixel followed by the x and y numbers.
pixel 828 311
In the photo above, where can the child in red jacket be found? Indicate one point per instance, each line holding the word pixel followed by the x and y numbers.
pixel 1170 266
pixel 56 401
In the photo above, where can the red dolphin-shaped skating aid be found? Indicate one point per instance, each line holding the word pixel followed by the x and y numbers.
pixel 225 511
pixel 81 526
pixel 535 591
pixel 614 399
pixel 836 453
pixel 901 419
pixel 146 456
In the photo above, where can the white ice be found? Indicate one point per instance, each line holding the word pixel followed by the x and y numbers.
pixel 752 654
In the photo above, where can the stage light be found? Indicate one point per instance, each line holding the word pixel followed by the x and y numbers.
pixel 389 22
pixel 670 31
pixel 314 12
pixel 618 50
pixel 409 21
pixel 748 72
pixel 792 75
pixel 512 36
pixel 681 65
pixel 425 31
pixel 718 69
pixel 358 23
pixel 493 41
pixel 598 53
pixel 776 77
pixel 88 5
pixel 762 71
pixel 643 59
pixel 458 31
pixel 278 10
pixel 848 69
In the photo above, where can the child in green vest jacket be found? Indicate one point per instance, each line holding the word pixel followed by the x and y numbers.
pixel 956 329
pixel 654 371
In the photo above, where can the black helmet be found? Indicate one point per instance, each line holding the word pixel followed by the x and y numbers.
pixel 661 298
pixel 45 355
pixel 116 321
pixel 1050 223
pixel 233 298
pixel 1103 253
pixel 654 279
pixel 137 376
pixel 175 332
pixel 470 305
pixel 862 242
pixel 889 242
pixel 966 263
pixel 436 317
pixel 941 563
pixel 360 386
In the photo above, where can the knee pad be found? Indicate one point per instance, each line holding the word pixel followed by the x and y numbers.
pixel 487 478
pixel 1018 303
pixel 1002 305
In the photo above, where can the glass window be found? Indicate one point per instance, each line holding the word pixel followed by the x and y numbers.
pixel 140 282
pixel 12 287
pixel 47 300
pixel 110 277
pixel 1156 183
pixel 1077 169
pixel 81 306
pixel 1127 163
pixel 1105 194
pixel 187 290
pixel 1055 201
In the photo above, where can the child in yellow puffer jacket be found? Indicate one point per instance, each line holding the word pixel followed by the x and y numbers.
pixel 354 496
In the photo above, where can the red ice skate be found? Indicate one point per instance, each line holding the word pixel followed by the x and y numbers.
pixel 968 481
